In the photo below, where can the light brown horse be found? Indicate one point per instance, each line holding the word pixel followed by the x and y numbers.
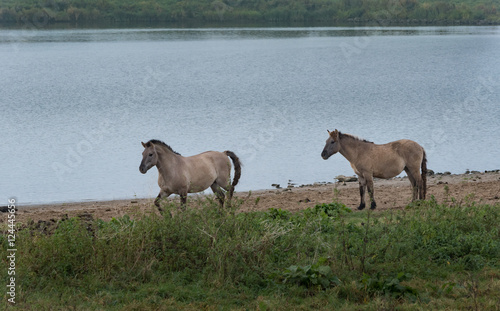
pixel 183 175
pixel 370 160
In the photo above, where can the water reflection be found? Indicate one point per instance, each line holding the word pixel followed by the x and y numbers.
pixel 161 34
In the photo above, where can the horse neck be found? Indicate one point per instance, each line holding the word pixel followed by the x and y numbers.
pixel 351 147
pixel 166 160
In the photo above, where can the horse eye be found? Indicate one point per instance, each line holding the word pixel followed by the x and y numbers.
pixel 150 154
pixel 333 142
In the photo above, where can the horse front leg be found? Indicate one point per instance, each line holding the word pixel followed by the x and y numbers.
pixel 183 200
pixel 369 186
pixel 362 186
pixel 157 200
pixel 161 195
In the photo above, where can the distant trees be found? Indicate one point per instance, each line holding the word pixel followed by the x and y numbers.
pixel 388 11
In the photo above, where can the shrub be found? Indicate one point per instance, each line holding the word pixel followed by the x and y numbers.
pixel 309 276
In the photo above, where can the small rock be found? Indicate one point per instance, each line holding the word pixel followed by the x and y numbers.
pixel 447 173
pixel 277 186
pixel 342 178
pixel 430 172
pixel 306 200
pixel 5 209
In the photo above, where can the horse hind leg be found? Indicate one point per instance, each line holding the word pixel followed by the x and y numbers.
pixel 218 193
pixel 416 182
pixel 419 187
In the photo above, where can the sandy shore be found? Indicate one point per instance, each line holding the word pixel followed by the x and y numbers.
pixel 389 194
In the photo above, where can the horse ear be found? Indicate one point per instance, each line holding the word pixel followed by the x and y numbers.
pixel 143 144
pixel 334 135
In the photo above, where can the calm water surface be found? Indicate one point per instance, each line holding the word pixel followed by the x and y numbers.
pixel 75 104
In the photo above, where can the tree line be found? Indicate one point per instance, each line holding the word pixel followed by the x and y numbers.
pixel 44 12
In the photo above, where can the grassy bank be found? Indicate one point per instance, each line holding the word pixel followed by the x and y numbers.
pixel 382 12
pixel 429 255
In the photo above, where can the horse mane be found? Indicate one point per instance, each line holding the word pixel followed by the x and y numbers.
pixel 342 135
pixel 159 142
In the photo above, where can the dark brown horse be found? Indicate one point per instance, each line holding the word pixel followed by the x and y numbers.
pixel 183 175
pixel 370 160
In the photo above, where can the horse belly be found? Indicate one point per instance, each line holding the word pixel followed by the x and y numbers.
pixel 202 173
pixel 389 168
pixel 201 181
pixel 195 188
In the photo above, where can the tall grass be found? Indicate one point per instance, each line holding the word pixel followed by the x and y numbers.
pixel 326 256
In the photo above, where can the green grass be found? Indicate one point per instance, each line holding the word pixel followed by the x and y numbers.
pixel 427 256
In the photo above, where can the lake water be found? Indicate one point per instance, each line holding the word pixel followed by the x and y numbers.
pixel 75 104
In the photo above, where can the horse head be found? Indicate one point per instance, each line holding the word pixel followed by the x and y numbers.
pixel 332 145
pixel 149 157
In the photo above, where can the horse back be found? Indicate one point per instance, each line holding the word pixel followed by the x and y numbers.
pixel 208 163
pixel 407 149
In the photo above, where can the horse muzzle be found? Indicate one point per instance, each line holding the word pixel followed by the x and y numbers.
pixel 324 155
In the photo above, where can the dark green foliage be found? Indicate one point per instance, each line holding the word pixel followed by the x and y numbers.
pixel 381 12
pixel 278 213
pixel 332 209
pixel 316 275
pixel 389 285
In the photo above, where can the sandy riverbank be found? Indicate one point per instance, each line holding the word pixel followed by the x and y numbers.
pixel 394 193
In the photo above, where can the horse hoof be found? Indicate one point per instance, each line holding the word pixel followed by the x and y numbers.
pixel 361 206
pixel 373 205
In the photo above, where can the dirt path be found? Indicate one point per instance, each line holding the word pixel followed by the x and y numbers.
pixel 394 193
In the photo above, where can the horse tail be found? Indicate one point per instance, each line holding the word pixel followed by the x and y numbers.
pixel 424 176
pixel 237 170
